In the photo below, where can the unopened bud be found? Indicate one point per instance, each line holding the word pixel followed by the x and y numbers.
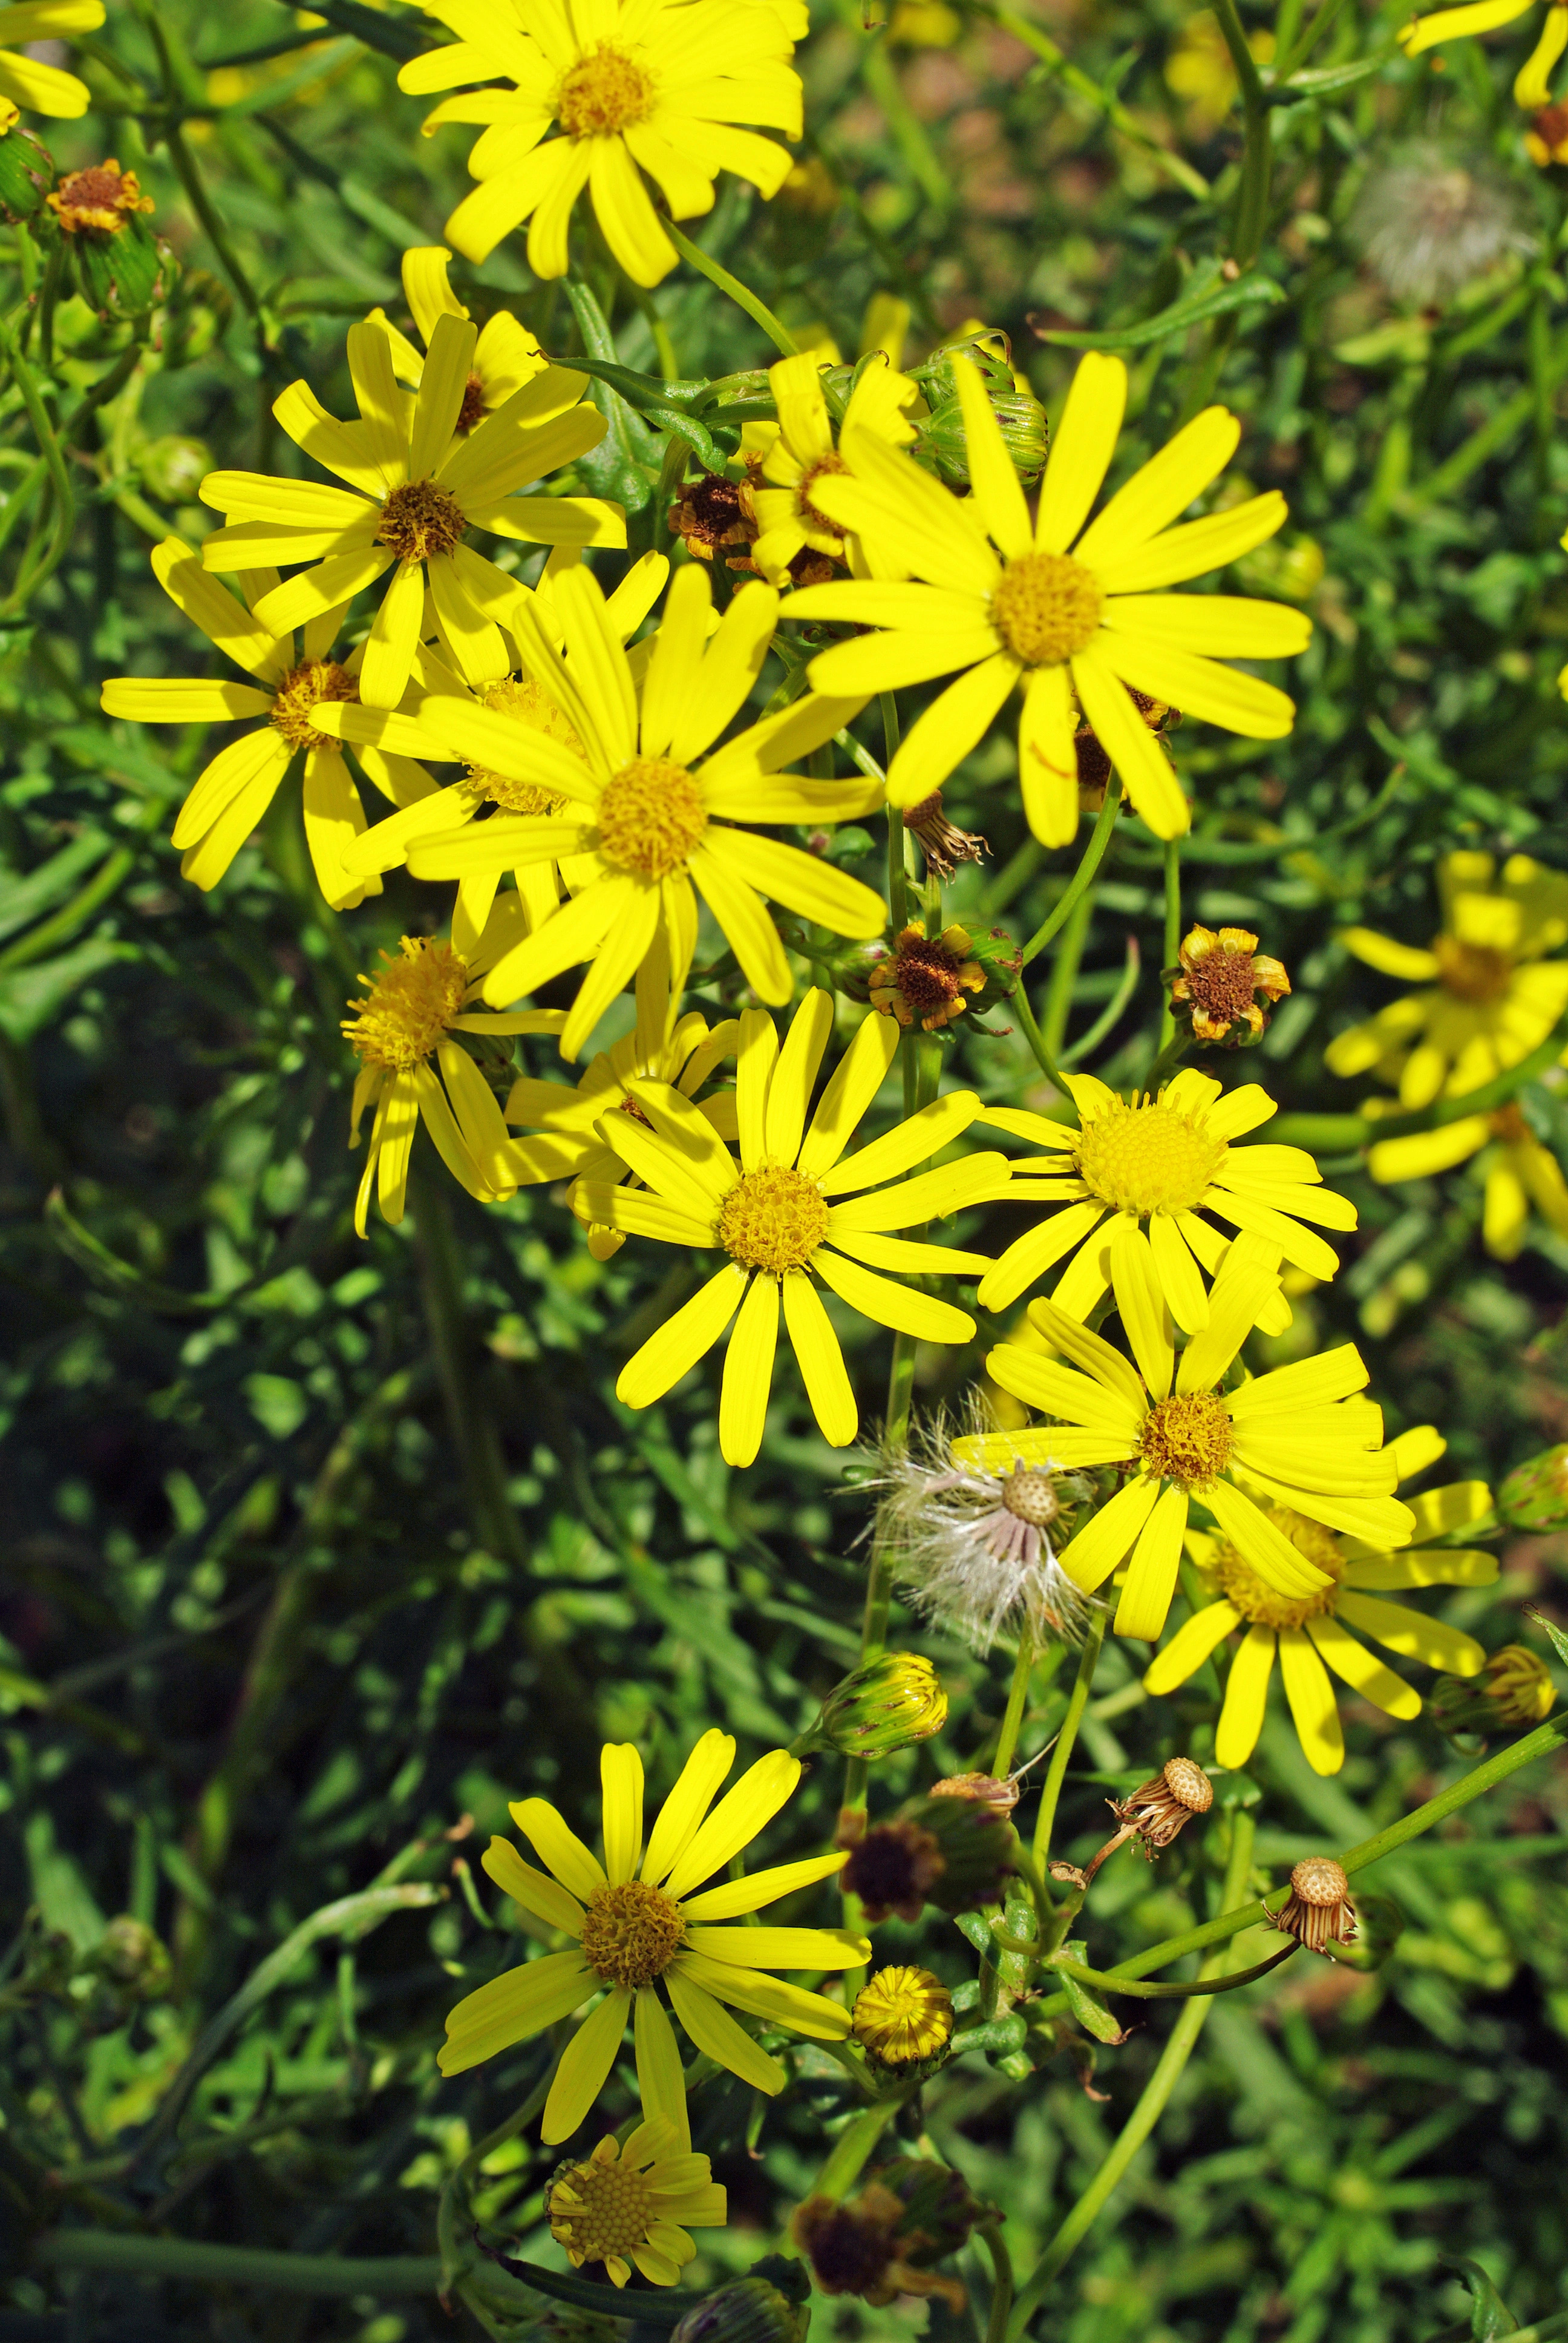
pixel 131 1958
pixel 943 445
pixel 1534 1496
pixel 887 1703
pixel 748 2310
pixel 1513 1689
pixel 985 1787
pixel 903 2021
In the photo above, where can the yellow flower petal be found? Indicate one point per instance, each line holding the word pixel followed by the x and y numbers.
pixel 547 1904
pixel 676 1345
pixel 1246 1698
pixel 1047 760
pixel 1451 24
pixel 620 1773
pixel 1081 450
pixel 1152 1575
pixel 716 2033
pixel 1145 1320
pixel 749 1373
pixel 1257 1541
pixel 1198 686
pixel 1162 489
pixel 1412 1633
pixel 559 1848
pixel 1194 547
pixel 585 2066
pixel 1227 626
pixel 680 1816
pixel 853 1084
pixel 748 1809
pixel 1360 1670
pixel 992 477
pixel 1145 768
pixel 742 917
pixel 514 2007
pixel 914 1140
pixel 782 1948
pixel 889 1304
pixel 1190 1646
pixel 1106 1537
pixel 1030 1256
pixel 760 1889
pixel 811 2014
pixel 660 2079
pixel 1312 1702
pixel 954 721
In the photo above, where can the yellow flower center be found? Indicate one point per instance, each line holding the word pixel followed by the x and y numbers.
pixel 411 1004
pixel 773 1220
pixel 1046 606
pixel 1260 1603
pixel 302 688
pixel 421 518
pixel 803 505
pixel 1188 1439
pixel 903 2015
pixel 631 1933
pixel 604 92
pixel 1148 1157
pixel 531 704
pixel 1031 1497
pixel 600 2209
pixel 1474 972
pixel 650 817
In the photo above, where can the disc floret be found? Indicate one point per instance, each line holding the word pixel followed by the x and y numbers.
pixel 773 1220
pixel 1188 1438
pixel 651 815
pixel 1046 606
pixel 412 1003
pixel 631 1933
pixel 1144 1156
pixel 304 687
pixel 605 92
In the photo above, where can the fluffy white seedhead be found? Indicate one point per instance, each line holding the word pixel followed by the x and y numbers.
pixel 1429 221
pixel 976 1552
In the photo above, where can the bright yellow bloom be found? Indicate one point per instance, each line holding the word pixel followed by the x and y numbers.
pixel 1308 1629
pixel 1157 1164
pixel 1531 86
pixel 1496 996
pixel 416 485
pixel 903 2016
pixel 648 823
pixel 505 355
pixel 777 1213
pixel 624 2205
pixel 798 451
pixel 636 1922
pixel 292 683
pixel 1295 1437
pixel 414 1008
pixel 636 85
pixel 28 81
pixel 566 1121
pixel 1086 621
pixel 1516 1169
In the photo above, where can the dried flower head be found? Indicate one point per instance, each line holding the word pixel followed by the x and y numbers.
pixel 1546 140
pixel 714 511
pixel 1429 222
pixel 911 2212
pixel 1094 765
pixel 942 843
pixel 97 201
pixel 926 978
pixel 1153 1814
pixel 1217 984
pixel 890 1869
pixel 975 1551
pixel 1318 1911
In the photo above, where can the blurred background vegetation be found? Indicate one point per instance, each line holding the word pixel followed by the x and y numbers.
pixel 317 1551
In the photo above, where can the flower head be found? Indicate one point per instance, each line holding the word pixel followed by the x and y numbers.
pixel 1154 1815
pixel 942 843
pixel 1062 611
pixel 1515 1169
pixel 28 81
pixel 632 2206
pixel 799 453
pixel 714 512
pixel 417 484
pixel 903 2018
pixel 651 820
pixel 952 1851
pixel 639 1922
pixel 97 201
pixel 416 1008
pixel 1513 1689
pixel 1215 989
pixel 1430 222
pixel 1296 1437
pixel 926 978
pixel 1157 1167
pixel 793 1210
pixel 1318 1911
pixel 1310 1629
pixel 911 2212
pixel 1490 993
pixel 887 1704
pixel 630 90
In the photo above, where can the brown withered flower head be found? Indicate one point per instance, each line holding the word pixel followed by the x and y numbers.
pixel 891 1869
pixel 97 201
pixel 927 977
pixel 1216 988
pixel 1318 1911
pixel 942 843
pixel 911 2212
pixel 1152 1816
pixel 714 511
pixel 1094 765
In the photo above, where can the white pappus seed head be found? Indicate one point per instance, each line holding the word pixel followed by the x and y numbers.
pixel 1429 221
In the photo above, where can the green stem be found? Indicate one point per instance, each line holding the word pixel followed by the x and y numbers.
pixel 1093 856
pixel 1001 2293
pixel 1172 932
pixel 759 311
pixel 474 1433
pixel 452 2252
pixel 54 457
pixel 1252 191
pixel 1088 1661
pixel 181 2257
pixel 190 179
pixel 1103 1981
pixel 1150 2107
pixel 1064 973
pixel 1007 1740
pixel 1036 1040
pixel 852 2148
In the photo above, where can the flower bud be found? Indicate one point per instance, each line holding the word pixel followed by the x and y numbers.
pixel 887 1703
pixel 942 445
pixel 1534 1496
pixel 1513 1689
pixel 748 2310
pixel 903 2021
pixel 1002 1795
pixel 172 468
pixel 132 1960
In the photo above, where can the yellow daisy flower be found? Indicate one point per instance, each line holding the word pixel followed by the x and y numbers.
pixel 636 85
pixel 1157 1164
pixel 648 823
pixel 636 1922
pixel 415 486
pixel 505 355
pixel 626 2206
pixel 798 450
pixel 292 681
pixel 1516 1169
pixel 1295 1437
pixel 1308 1630
pixel 568 1145
pixel 1531 86
pixel 1086 622
pixel 777 1213
pixel 412 1008
pixel 1495 997
pixel 28 81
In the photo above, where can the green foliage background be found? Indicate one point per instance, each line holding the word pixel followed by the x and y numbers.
pixel 269 1635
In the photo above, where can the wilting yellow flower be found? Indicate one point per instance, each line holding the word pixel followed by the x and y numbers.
pixel 1310 1629
pixel 505 355
pixel 798 451
pixel 636 85
pixel 777 1213
pixel 410 1014
pixel 645 826
pixel 636 1922
pixel 1517 1170
pixel 292 681
pixel 1295 1437
pixel 625 2204
pixel 1219 978
pixel 415 486
pixel 99 200
pixel 1087 622
pixel 1157 1164
pixel 1531 86
pixel 28 81
pixel 1496 996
